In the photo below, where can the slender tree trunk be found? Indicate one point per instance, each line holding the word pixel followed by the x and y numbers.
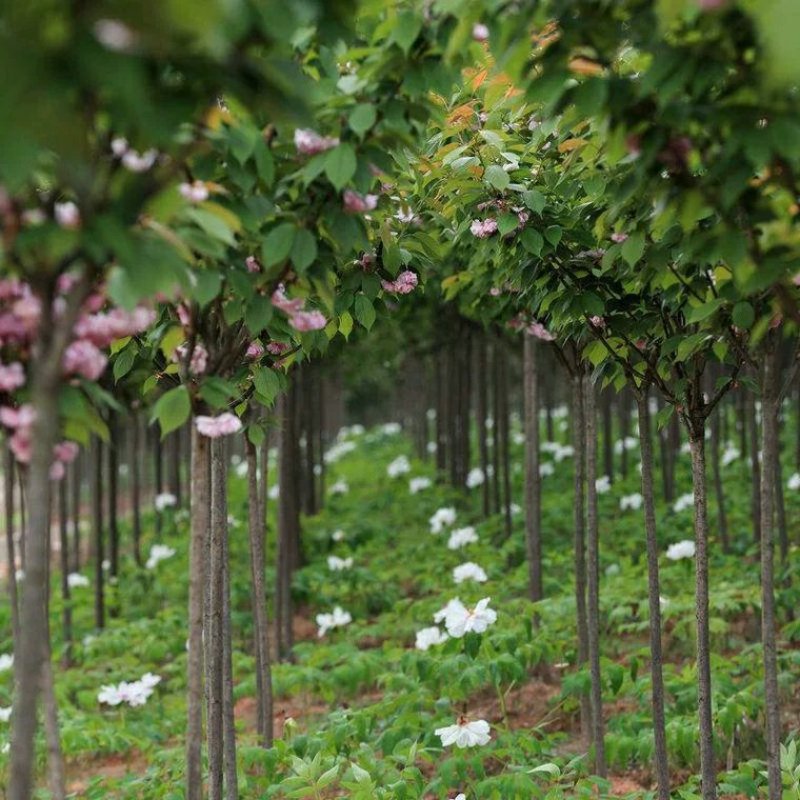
pixel 66 613
pixel 97 533
pixel 215 645
pixel 287 522
pixel 624 425
pixel 780 504
pixel 219 490
pixel 200 520
pixel 441 410
pixel 55 759
pixel 770 400
pixel 501 434
pixel 706 722
pixel 654 600
pixel 580 541
pixel 608 435
pixel 175 466
pixel 8 497
pixel 755 466
pixel 257 532
pixel 593 576
pixel 77 472
pixel 113 497
pixel 482 403
pixel 158 472
pixel 30 649
pixel 719 492
pixel 533 486
pixel 136 489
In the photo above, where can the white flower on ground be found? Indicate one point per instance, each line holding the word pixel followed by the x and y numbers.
pixel 429 637
pixel 5 714
pixel 683 502
pixel 336 564
pixel 565 451
pixel 391 429
pixel 165 500
pixel 663 602
pixel 515 509
pixel 465 733
pixel 469 571
pixel 335 452
pixel 612 569
pixel 461 537
pixel 19 575
pixel 337 619
pixel 518 438
pixel 686 448
pixel 729 455
pixel 460 620
pixel 443 517
pixel 75 580
pixel 602 484
pixel 135 693
pixel 340 487
pixel 241 469
pixel 274 492
pixel 418 484
pixel 633 501
pixel 679 550
pixel 431 447
pixel 158 553
pixel 475 478
pixel 546 468
pixel 400 466
pixel 442 613
pixel 794 482
pixel 338 535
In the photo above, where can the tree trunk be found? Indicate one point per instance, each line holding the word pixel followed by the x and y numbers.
pixel 97 533
pixel 608 435
pixel 719 492
pixel 593 575
pixel 580 542
pixel 136 489
pixel 8 498
pixel 481 407
pixel 63 539
pixel 780 504
pixel 77 474
pixel 197 577
pixel 257 533
pixel 770 401
pixel 533 486
pixel 158 472
pixel 706 723
pixel 113 496
pixel 755 466
pixel 30 649
pixel 654 600
pixel 175 466
pixel 55 759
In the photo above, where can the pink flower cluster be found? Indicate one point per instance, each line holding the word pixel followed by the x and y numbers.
pixel 254 350
pixel 85 359
pixel 20 420
pixel 12 376
pixel 404 283
pixel 355 203
pixel 222 425
pixel 531 327
pixel 309 143
pixel 105 327
pixel 483 229
pixel 299 319
pixel 199 362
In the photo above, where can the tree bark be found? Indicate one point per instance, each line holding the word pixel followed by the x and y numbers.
pixel 654 600
pixel 770 402
pixel 719 492
pixel 200 519
pixel 113 497
pixel 136 489
pixel 76 475
pixel 593 578
pixel 8 497
pixel 55 759
pixel 533 486
pixel 66 613
pixel 706 723
pixel 257 533
pixel 97 533
pixel 481 407
pixel 755 466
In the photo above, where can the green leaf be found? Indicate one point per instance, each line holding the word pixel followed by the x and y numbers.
pixel 362 118
pixel 304 250
pixel 704 311
pixel 172 409
pixel 206 286
pixel 534 200
pixel 507 223
pixel 340 165
pixel 124 361
pixel 532 241
pixel 345 324
pixel 406 30
pixel 743 315
pixel 365 311
pixel 213 225
pixel 633 247
pixel 267 384
pixel 497 177
pixel 278 244
pixel 258 314
pixel 553 234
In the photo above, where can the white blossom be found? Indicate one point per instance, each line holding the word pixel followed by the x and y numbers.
pixel 165 500
pixel 465 733
pixel 475 478
pixel 683 502
pixel 75 580
pixel 418 484
pixel 469 571
pixel 682 549
pixel 602 484
pixel 336 564
pixel 443 517
pixel 429 637
pixel 460 620
pixel 158 553
pixel 5 714
pixel 633 501
pixel 337 619
pixel 461 537
pixel 340 487
pixel 794 482
pixel 400 466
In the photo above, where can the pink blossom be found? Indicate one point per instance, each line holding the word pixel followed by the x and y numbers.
pixel 495 291
pixel 11 288
pixel 22 417
pixel 355 203
pixel 12 376
pixel 523 216
pixel 21 445
pixel 308 321
pixel 597 322
pixel 184 315
pixel 195 192
pixel 255 350
pixel 139 162
pixel 66 451
pixel 277 348
pixel 102 329
pixel 538 330
pixel 366 261
pixel 619 238
pixel 309 142
pixel 28 310
pixel 119 146
pixel 222 425
pixel 199 362
pixel 405 283
pixel 85 359
pixel 483 230
pixel 480 33
pixel 12 329
pixel 252 264
pixel 281 301
pixel 57 471
pixel 67 215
